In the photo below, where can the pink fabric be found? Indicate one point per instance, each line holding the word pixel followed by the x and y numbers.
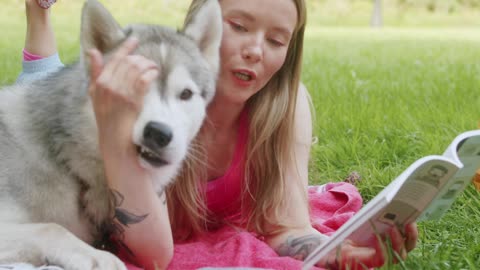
pixel 27 56
pixel 332 205
pixel 330 208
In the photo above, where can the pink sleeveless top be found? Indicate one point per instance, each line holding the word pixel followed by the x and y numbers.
pixel 223 194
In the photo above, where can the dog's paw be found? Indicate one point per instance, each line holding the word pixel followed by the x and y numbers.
pixel 69 252
pixel 92 260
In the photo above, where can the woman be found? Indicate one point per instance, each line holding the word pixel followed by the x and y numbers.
pixel 250 168
pixel 261 55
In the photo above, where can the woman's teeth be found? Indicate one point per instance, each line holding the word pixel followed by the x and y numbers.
pixel 243 76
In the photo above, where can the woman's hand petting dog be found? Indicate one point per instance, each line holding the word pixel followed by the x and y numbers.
pixel 393 248
pixel 117 89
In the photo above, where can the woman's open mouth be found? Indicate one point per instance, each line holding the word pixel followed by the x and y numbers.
pixel 243 76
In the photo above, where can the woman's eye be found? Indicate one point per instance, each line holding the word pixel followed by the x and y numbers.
pixel 275 42
pixel 186 94
pixel 238 27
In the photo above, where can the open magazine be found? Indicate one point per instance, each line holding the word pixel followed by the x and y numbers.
pixel 425 190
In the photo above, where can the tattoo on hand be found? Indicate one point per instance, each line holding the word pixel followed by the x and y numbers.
pixel 299 247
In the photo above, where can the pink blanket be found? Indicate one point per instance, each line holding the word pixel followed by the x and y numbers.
pixel 331 206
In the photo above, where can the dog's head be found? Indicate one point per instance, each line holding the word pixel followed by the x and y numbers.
pixel 175 105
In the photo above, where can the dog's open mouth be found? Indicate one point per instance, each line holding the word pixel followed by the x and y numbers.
pixel 151 157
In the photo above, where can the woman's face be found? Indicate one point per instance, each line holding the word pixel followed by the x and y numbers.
pixel 256 36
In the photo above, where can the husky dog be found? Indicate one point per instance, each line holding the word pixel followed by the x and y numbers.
pixel 54 200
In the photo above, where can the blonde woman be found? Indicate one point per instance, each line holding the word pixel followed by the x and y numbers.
pixel 257 139
pixel 249 163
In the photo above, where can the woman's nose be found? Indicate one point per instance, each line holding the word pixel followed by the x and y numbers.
pixel 254 50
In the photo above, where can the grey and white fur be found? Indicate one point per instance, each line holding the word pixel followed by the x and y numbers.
pixel 54 201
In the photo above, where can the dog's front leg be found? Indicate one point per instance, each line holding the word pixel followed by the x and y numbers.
pixel 41 244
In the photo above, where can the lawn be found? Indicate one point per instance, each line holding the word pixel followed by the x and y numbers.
pixel 382 98
pixel 386 98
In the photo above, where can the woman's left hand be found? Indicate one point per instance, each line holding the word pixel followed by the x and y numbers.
pixel 353 257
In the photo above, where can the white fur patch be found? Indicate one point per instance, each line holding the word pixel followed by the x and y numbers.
pixel 183 117
pixel 163 52
pixel 180 79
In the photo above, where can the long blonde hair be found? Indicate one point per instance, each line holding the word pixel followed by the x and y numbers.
pixel 269 150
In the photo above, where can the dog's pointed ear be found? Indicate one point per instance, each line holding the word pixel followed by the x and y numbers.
pixel 98 29
pixel 203 24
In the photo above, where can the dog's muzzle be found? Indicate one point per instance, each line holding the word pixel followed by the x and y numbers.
pixel 156 136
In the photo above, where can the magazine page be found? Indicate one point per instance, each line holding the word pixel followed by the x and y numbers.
pixel 467 150
pixel 455 149
pixel 411 199
pixel 401 201
pixel 427 188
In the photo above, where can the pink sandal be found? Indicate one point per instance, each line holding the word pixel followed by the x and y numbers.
pixel 46 4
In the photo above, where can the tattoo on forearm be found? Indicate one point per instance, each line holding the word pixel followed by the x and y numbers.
pixel 122 215
pixel 126 218
pixel 121 218
pixel 299 247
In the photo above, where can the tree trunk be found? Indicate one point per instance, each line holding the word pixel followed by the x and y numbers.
pixel 377 16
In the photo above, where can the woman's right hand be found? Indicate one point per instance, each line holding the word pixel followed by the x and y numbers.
pixel 351 256
pixel 117 89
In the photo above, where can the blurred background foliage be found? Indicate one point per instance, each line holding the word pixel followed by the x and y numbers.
pixel 396 13
pixel 448 17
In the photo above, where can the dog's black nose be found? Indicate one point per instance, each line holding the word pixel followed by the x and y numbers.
pixel 157 135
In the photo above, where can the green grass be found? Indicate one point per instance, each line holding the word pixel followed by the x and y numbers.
pixel 358 13
pixel 383 98
pixel 66 22
pixel 386 98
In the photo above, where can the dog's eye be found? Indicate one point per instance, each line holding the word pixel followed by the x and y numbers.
pixel 186 94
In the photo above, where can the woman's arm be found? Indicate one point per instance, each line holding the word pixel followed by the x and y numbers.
pixel 117 90
pixel 302 239
pixel 298 242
